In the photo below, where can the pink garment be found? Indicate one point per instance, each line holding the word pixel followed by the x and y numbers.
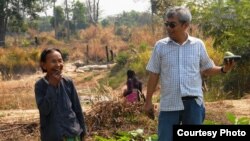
pixel 132 97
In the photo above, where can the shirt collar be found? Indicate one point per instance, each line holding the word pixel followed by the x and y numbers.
pixel 45 80
pixel 190 39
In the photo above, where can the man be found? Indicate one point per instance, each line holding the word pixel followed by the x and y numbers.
pixel 178 61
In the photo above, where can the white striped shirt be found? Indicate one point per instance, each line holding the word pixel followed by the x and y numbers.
pixel 179 67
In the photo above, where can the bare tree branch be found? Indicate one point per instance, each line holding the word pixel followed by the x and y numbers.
pixel 93 10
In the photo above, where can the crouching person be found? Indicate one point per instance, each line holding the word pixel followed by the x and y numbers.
pixel 133 92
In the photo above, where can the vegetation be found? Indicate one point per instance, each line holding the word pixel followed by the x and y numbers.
pixel 79 16
pixel 130 135
pixel 226 22
pixel 12 14
pixel 232 120
pixel 126 117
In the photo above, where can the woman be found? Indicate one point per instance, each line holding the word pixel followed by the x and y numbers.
pixel 133 85
pixel 61 116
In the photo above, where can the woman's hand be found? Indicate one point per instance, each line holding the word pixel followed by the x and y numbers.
pixel 55 78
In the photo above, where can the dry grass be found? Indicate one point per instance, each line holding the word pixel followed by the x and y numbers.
pixel 17 94
pixel 32 33
pixel 16 61
pixel 113 116
pixel 77 51
pixel 105 119
pixel 215 55
pixel 145 35
pixel 97 38
pixel 19 132
pixel 20 101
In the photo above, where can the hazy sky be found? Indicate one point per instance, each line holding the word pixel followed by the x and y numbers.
pixel 113 7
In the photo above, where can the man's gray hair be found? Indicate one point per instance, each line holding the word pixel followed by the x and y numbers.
pixel 182 13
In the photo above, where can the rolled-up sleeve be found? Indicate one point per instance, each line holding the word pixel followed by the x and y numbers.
pixel 206 62
pixel 154 61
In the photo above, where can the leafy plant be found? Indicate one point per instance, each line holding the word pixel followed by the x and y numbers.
pixel 237 121
pixel 153 137
pixel 129 136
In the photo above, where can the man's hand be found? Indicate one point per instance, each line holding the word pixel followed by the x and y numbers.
pixel 149 110
pixel 229 65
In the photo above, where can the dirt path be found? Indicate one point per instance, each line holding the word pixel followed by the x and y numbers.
pixel 216 111
pixel 13 116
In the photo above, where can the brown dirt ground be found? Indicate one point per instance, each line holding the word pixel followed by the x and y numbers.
pixel 216 111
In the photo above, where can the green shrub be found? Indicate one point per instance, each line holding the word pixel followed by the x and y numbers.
pixel 115 81
pixel 143 47
pixel 139 63
pixel 122 58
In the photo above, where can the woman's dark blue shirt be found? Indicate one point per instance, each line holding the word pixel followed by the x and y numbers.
pixel 60 110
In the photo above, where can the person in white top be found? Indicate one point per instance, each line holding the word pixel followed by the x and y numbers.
pixel 178 61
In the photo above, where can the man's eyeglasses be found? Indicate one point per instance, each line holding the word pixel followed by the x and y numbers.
pixel 170 24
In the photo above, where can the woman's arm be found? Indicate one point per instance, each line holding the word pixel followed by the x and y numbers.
pixel 45 97
pixel 76 105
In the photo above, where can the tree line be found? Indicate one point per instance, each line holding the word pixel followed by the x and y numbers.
pixel 13 14
pixel 16 16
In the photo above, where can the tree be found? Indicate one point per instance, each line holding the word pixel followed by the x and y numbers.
pixel 44 22
pixel 105 23
pixel 159 7
pixel 46 4
pixel 54 24
pixel 58 19
pixel 15 9
pixel 59 16
pixel 132 18
pixel 67 17
pixel 93 11
pixel 227 21
pixel 80 15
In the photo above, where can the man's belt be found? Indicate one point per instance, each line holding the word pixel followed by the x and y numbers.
pixel 189 97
